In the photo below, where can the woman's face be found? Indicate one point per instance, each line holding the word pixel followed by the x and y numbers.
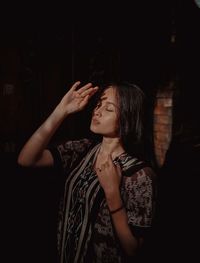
pixel 105 115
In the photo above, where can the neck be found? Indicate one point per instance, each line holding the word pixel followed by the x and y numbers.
pixel 111 146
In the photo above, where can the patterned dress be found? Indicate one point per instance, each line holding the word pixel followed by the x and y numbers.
pixel 86 232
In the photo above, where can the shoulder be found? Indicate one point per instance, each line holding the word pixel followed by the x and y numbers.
pixel 70 149
pixel 75 145
pixel 69 153
pixel 131 165
pixel 135 170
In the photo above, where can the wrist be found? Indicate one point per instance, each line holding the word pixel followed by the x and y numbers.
pixel 60 113
pixel 114 201
pixel 112 194
pixel 117 210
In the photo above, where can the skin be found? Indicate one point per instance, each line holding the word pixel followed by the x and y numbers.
pixel 104 122
pixel 105 115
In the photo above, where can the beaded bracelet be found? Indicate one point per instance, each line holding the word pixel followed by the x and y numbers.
pixel 116 210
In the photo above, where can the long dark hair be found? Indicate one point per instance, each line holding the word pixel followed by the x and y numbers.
pixel 131 102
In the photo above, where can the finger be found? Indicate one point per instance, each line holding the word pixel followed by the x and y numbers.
pixel 102 166
pixel 89 91
pixel 84 101
pixel 75 85
pixel 119 170
pixel 98 170
pixel 106 165
pixel 85 87
pixel 110 160
pixel 93 90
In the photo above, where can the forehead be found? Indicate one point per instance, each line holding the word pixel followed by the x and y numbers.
pixel 109 95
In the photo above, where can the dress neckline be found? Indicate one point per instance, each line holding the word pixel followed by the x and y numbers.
pixel 118 157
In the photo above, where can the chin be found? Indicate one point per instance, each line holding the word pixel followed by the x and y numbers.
pixel 93 129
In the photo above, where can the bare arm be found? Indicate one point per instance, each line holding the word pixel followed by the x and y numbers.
pixel 34 152
pixel 110 177
pixel 120 220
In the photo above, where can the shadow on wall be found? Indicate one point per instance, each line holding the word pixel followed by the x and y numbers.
pixel 29 212
pixel 178 200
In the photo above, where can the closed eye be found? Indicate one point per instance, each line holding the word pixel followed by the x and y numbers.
pixel 108 106
pixel 110 110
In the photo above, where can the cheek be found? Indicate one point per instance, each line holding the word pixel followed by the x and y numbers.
pixel 113 122
pixel 117 126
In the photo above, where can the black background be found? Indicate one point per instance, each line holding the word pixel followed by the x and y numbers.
pixel 81 39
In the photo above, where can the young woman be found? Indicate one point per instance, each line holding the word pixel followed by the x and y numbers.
pixel 108 201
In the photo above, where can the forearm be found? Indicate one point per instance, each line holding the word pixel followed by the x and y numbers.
pixel 34 147
pixel 33 153
pixel 120 220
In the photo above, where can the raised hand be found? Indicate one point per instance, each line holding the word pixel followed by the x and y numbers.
pixel 109 176
pixel 76 100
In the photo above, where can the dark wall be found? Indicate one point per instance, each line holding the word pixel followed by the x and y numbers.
pixel 179 177
pixel 41 54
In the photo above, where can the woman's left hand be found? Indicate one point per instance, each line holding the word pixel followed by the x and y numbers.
pixel 109 176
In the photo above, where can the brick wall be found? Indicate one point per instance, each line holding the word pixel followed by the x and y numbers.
pixel 162 126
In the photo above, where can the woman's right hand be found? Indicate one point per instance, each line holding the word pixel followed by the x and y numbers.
pixel 76 100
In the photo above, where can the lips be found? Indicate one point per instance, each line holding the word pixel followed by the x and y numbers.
pixel 95 121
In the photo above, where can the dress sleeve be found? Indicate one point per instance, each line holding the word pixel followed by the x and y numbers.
pixel 68 154
pixel 140 200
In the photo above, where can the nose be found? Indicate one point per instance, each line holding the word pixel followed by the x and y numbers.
pixel 97 111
